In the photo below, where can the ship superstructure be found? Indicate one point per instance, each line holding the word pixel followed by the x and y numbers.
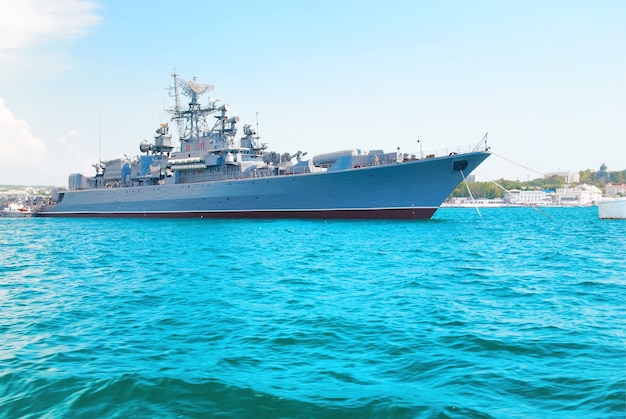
pixel 218 172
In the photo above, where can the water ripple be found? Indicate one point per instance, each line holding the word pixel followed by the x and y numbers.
pixel 515 315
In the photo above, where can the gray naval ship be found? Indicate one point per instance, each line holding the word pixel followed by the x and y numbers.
pixel 220 173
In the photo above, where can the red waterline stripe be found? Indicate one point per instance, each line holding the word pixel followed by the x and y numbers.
pixel 350 214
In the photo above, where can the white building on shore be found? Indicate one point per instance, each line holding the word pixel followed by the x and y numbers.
pixel 540 198
pixel 581 195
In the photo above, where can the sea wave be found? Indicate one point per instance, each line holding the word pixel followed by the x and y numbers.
pixel 512 315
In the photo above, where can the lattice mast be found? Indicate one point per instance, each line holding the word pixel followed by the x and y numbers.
pixel 191 122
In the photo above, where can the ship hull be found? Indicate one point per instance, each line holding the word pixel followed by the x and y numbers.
pixel 408 190
pixel 612 209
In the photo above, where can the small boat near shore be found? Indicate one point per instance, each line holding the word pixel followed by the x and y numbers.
pixel 16 211
pixel 612 208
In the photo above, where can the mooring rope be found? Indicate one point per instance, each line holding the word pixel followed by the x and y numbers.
pixel 517 164
pixel 507 191
pixel 470 194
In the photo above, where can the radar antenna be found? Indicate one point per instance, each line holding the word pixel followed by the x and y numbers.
pixel 192 89
pixel 187 121
pixel 199 88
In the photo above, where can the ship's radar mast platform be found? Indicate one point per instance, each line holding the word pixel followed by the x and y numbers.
pixel 200 134
pixel 191 122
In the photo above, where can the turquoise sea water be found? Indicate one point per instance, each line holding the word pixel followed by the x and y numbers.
pixel 520 314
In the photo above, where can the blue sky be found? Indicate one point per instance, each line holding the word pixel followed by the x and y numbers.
pixel 546 79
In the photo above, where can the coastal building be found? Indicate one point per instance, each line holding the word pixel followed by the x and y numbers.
pixel 580 195
pixel 541 198
pixel 23 195
pixel 615 189
pixel 15 195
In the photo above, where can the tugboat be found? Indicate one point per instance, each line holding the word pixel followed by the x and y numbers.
pixel 218 173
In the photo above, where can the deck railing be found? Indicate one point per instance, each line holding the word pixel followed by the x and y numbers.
pixel 441 152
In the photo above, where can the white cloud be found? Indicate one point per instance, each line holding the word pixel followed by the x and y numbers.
pixel 28 29
pixel 22 152
pixel 70 134
pixel 27 23
pixel 25 160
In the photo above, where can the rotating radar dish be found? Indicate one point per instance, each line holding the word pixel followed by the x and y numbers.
pixel 200 88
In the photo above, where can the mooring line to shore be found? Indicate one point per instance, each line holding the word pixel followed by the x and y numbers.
pixel 517 164
pixel 507 191
pixel 470 194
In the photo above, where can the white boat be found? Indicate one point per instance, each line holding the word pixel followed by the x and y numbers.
pixel 16 210
pixel 612 208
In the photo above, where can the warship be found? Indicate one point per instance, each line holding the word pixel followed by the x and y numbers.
pixel 217 172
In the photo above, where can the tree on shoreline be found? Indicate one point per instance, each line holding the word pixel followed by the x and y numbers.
pixel 489 190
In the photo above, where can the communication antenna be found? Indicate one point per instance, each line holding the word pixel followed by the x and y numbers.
pixel 177 107
pixel 99 138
